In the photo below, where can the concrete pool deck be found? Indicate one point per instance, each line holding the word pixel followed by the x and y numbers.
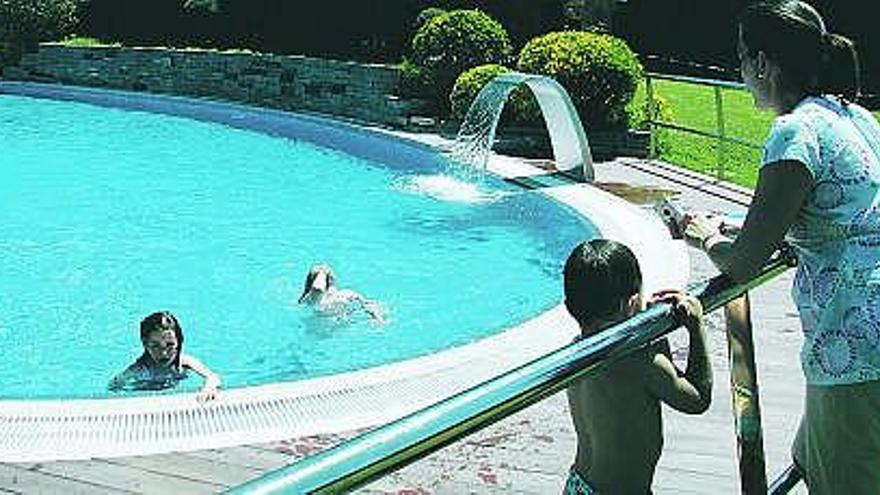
pixel 528 453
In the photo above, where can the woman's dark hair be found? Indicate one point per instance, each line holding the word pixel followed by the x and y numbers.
pixel 161 321
pixel 600 276
pixel 793 34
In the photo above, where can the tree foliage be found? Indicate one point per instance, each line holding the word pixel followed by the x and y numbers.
pixel 362 30
pixel 23 23
pixel 35 20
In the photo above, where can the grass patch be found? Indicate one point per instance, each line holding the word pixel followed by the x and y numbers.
pixel 87 42
pixel 693 105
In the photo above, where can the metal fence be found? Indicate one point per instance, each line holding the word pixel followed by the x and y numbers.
pixel 720 132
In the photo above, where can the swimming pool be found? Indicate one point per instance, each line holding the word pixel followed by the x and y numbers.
pixel 215 212
pixel 111 214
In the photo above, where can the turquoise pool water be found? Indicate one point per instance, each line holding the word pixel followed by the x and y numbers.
pixel 109 214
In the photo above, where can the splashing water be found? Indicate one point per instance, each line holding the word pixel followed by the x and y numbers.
pixel 473 143
pixel 449 188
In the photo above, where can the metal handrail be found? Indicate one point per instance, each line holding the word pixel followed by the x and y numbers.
pixel 720 83
pixel 392 446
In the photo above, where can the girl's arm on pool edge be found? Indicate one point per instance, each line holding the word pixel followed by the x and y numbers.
pixel 212 380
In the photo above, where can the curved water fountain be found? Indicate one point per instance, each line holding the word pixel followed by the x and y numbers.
pixel 571 151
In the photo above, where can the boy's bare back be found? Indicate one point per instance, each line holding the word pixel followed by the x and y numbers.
pixel 619 426
pixel 616 411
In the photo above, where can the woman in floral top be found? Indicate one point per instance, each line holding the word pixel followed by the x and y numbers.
pixel 819 190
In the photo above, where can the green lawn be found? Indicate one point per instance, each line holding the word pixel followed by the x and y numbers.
pixel 693 105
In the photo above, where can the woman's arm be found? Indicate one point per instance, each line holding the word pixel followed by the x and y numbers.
pixel 212 380
pixel 781 191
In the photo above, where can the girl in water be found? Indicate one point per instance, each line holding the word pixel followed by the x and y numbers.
pixel 320 290
pixel 163 362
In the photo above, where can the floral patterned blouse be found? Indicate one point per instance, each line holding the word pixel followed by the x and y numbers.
pixel 836 236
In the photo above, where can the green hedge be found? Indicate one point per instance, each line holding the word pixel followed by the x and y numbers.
pixel 599 71
pixel 452 42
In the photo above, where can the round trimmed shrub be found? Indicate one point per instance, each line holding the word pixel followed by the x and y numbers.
pixel 521 105
pixel 413 82
pixel 469 84
pixel 452 42
pixel 599 71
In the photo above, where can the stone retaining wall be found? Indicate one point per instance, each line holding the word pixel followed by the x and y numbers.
pixel 361 92
pixel 357 91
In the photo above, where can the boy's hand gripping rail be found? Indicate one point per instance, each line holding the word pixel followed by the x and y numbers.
pixel 396 444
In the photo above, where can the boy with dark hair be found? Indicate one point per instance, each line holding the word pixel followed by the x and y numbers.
pixel 616 410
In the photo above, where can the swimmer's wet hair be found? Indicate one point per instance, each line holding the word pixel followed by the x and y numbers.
pixel 313 274
pixel 160 321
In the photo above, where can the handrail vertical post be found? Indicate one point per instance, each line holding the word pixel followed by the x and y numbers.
pixel 652 114
pixel 744 395
pixel 722 136
pixel 787 480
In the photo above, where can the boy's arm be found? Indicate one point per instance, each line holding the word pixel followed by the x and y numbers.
pixel 691 392
pixel 212 380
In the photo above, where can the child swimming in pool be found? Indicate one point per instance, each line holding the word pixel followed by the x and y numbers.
pixel 163 362
pixel 321 292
